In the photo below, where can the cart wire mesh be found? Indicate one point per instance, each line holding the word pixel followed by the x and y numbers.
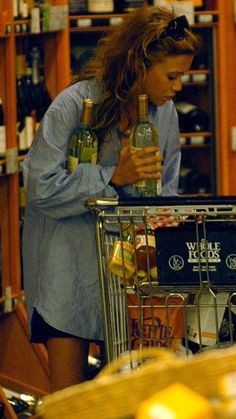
pixel 167 271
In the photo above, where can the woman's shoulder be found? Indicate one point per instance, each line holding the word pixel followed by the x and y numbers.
pixel 69 101
pixel 167 110
pixel 163 113
pixel 89 88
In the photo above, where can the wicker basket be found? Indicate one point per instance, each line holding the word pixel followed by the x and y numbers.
pixel 115 394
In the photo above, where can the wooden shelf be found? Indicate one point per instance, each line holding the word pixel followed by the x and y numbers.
pixel 207 12
pixel 58 76
pixel 97 16
pixel 91 29
pixel 194 146
pixel 196 134
pixel 123 15
pixel 107 16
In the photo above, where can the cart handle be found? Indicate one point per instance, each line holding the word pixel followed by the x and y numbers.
pixel 181 200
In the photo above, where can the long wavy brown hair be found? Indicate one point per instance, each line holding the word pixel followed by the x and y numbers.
pixel 123 56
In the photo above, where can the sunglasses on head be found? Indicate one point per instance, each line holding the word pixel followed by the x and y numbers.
pixel 176 28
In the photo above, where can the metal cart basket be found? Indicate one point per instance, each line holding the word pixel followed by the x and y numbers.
pixel 167 270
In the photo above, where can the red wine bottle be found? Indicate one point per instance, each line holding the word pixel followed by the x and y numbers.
pixel 192 118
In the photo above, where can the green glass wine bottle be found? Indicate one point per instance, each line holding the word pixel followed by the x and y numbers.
pixel 144 134
pixel 83 143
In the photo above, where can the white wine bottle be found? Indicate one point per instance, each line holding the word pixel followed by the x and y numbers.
pixel 144 134
pixel 83 144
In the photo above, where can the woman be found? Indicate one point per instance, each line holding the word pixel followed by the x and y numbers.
pixel 147 53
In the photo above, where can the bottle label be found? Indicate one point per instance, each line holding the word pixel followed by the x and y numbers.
pixel 142 184
pixel 88 155
pixel 22 140
pixel 2 140
pixel 29 130
pixel 141 240
pixel 35 20
pixel 72 163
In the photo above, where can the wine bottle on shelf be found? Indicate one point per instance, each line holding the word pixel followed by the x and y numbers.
pixel 201 60
pixel 21 109
pixel 77 7
pixel 23 9
pixel 35 24
pixel 144 134
pixel 40 93
pixel 17 404
pixel 131 5
pixel 101 6
pixel 3 145
pixel 192 181
pixel 191 118
pixel 35 57
pixel 31 103
pixel 83 144
pixel 25 121
pixel 15 8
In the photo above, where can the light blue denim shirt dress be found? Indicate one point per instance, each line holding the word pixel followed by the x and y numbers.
pixel 59 247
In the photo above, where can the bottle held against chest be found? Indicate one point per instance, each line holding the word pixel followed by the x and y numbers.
pixel 83 143
pixel 144 134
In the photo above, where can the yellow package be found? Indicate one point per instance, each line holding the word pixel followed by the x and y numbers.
pixel 175 402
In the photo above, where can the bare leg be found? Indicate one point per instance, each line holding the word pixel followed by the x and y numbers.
pixel 68 358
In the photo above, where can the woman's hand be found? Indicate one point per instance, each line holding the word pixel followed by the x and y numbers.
pixel 139 165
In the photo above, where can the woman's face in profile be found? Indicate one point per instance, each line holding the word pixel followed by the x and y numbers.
pixel 163 79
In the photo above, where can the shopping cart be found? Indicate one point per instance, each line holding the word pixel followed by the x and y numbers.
pixel 167 270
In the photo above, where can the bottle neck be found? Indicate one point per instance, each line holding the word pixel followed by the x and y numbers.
pixel 143 115
pixel 143 118
pixel 35 56
pixel 86 118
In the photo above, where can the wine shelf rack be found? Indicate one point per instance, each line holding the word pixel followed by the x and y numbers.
pixel 57 64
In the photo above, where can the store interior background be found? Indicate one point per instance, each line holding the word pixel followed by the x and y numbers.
pixel 58 55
